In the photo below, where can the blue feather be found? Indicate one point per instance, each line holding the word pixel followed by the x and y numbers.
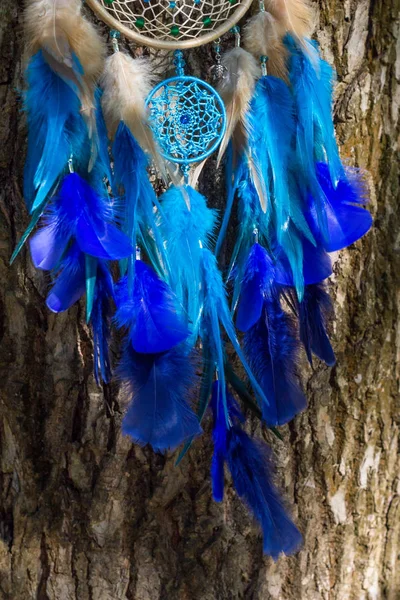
pixel 159 388
pixel 55 130
pixel 317 265
pixel 313 88
pixel 70 282
pixel 252 225
pixel 221 435
pixel 100 321
pixel 272 145
pixel 249 464
pixel 314 312
pixel 257 283
pixel 346 221
pixel 272 351
pixel 130 177
pixel 186 232
pixel 151 312
pixel 220 441
pixel 216 311
pixel 78 212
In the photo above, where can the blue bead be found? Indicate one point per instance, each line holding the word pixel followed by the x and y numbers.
pixel 185 119
pixel 172 4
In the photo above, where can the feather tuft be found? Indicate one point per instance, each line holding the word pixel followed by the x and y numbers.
pixel 159 388
pixel 315 310
pixel 78 212
pixel 150 312
pixel 272 351
pixel 250 465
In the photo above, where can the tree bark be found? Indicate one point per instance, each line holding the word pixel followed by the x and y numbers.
pixel 85 515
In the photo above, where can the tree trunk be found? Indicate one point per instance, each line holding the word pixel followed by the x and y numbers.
pixel 86 515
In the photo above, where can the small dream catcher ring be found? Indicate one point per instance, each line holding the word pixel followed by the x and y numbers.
pixel 187 117
pixel 171 24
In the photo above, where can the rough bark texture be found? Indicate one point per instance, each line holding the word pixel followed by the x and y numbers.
pixel 85 515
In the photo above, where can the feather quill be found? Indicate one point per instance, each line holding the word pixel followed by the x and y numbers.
pixel 100 321
pixel 216 311
pixel 131 181
pixel 159 388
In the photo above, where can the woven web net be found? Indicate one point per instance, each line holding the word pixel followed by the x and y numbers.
pixel 187 119
pixel 172 20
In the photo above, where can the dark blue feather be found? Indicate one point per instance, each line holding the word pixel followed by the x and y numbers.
pixel 78 212
pixel 221 435
pixel 314 312
pixel 346 221
pixel 317 265
pixel 249 464
pixel 220 440
pixel 70 282
pixel 100 321
pixel 256 286
pixel 159 388
pixel 272 351
pixel 151 312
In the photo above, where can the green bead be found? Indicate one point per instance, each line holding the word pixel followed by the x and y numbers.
pixel 174 30
pixel 109 2
pixel 139 22
pixel 232 2
pixel 207 21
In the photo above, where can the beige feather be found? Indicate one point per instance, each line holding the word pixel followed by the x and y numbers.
pixel 262 37
pixel 294 16
pixel 126 83
pixel 236 89
pixel 58 28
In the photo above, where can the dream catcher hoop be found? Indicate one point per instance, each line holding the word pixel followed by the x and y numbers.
pixel 171 24
pixel 295 203
pixel 188 119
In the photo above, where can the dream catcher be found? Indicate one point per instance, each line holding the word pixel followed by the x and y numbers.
pixel 97 124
